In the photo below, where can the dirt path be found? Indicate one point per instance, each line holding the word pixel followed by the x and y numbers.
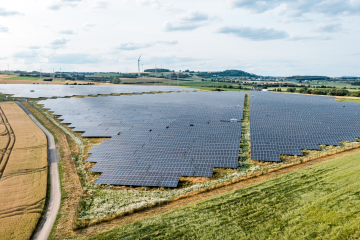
pixel 199 197
pixel 55 192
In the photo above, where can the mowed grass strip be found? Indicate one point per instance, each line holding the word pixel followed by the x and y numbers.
pixel 318 202
pixel 23 183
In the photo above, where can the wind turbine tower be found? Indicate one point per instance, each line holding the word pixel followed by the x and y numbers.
pixel 139 65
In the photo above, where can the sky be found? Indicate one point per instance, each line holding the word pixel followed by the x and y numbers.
pixel 265 37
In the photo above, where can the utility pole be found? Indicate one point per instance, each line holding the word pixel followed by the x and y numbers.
pixel 178 79
pixel 139 66
pixel 40 73
pixel 60 74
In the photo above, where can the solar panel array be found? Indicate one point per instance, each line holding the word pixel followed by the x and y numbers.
pixel 163 136
pixel 49 91
pixel 287 123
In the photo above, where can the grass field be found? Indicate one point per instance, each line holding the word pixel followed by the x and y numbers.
pixel 350 100
pixel 318 202
pixel 24 180
pixel 24 78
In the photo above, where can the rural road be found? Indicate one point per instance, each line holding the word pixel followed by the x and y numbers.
pixel 55 192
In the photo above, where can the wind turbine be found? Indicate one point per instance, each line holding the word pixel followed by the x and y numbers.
pixel 139 65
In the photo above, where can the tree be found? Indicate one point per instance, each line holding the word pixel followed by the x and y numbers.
pixel 224 86
pixel 117 81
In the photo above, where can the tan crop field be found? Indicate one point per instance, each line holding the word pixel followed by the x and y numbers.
pixel 23 173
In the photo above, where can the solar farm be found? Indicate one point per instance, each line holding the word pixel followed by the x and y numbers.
pixel 162 136
pixel 157 138
pixel 285 124
pixel 138 148
pixel 49 91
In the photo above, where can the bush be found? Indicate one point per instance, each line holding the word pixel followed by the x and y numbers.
pixel 116 81
pixel 291 89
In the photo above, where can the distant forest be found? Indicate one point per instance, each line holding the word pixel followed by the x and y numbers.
pixel 227 73
pixel 157 70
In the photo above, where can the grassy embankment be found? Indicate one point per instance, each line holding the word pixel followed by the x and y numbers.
pixel 318 202
pixel 24 178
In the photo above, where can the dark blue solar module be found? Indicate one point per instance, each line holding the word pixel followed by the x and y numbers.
pixel 162 136
pixel 49 91
pixel 284 124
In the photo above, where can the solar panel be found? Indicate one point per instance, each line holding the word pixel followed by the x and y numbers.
pixel 162 136
pixel 49 91
pixel 284 124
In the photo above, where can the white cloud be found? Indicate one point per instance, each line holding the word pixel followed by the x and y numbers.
pixel 297 8
pixel 329 27
pixel 169 27
pixel 101 5
pixel 74 58
pixel 58 43
pixel 67 31
pixel 134 46
pixel 88 26
pixel 6 13
pixel 255 34
pixel 4 29
pixel 188 21
pixel 193 16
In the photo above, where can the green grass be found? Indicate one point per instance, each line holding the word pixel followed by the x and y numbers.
pixel 350 100
pixel 24 78
pixel 319 202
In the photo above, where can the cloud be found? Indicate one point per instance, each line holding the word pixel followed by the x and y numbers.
pixel 254 34
pixel 169 60
pixel 55 7
pixel 26 55
pixel 153 3
pixel 88 26
pixel 68 31
pixel 192 16
pixel 5 13
pixel 4 29
pixel 297 8
pixel 188 21
pixel 134 46
pixel 329 27
pixel 257 6
pixel 74 58
pixel 101 5
pixel 58 43
pixel 306 38
pixel 169 27
pixel 34 47
pixel 63 4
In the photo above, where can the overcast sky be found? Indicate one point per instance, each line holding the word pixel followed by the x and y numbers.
pixel 268 37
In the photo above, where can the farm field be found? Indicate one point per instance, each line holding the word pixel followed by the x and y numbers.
pixel 317 202
pixel 23 176
pixel 24 78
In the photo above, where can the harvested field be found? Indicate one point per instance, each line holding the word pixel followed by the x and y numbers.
pixel 23 176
